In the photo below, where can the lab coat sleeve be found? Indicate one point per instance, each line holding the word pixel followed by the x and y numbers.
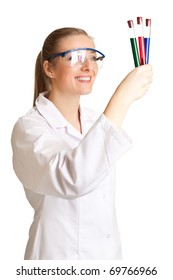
pixel 47 165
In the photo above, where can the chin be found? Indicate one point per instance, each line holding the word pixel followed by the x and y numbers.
pixel 85 92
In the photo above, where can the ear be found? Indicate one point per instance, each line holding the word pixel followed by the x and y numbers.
pixel 47 69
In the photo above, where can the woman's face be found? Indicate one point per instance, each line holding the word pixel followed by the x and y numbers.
pixel 74 80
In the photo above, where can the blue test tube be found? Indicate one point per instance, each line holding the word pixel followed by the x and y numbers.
pixel 147 39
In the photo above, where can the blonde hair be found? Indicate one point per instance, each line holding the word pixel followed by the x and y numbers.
pixel 50 46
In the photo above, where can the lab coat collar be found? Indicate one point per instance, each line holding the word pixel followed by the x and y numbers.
pixel 55 119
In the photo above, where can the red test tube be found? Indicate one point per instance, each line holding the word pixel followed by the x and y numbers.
pixel 141 40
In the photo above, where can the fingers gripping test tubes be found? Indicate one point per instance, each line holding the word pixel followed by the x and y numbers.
pixel 140 48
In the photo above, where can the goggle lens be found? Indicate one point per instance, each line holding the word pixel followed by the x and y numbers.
pixel 78 57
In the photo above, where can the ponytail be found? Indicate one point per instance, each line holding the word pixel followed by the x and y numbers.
pixel 40 84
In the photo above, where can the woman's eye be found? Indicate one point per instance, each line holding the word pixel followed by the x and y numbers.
pixel 68 57
pixel 93 58
pixel 100 58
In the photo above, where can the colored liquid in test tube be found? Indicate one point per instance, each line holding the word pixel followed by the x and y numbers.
pixel 147 39
pixel 141 40
pixel 133 42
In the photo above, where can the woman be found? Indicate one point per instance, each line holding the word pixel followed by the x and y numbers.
pixel 65 155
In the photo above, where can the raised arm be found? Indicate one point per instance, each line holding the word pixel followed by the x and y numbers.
pixel 133 87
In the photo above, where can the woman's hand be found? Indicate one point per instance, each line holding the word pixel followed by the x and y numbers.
pixel 135 84
pixel 133 87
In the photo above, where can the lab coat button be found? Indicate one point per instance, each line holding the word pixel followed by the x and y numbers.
pixel 108 235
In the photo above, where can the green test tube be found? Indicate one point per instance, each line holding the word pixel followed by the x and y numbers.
pixel 134 45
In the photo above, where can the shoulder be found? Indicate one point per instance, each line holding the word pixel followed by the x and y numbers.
pixel 32 119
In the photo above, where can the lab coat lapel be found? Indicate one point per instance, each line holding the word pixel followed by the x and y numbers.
pixel 54 117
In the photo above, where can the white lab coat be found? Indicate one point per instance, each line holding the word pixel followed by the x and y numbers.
pixel 69 180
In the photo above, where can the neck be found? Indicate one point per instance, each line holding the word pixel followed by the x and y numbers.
pixel 69 108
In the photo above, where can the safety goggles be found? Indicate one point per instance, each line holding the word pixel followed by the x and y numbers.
pixel 78 56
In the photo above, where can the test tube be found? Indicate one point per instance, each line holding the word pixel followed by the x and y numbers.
pixel 147 39
pixel 141 40
pixel 133 42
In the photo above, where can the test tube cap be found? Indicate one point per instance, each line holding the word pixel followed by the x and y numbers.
pixel 148 22
pixel 139 20
pixel 130 23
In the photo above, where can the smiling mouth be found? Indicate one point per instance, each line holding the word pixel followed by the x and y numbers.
pixel 83 78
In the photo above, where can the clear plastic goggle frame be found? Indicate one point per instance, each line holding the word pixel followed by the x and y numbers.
pixel 78 56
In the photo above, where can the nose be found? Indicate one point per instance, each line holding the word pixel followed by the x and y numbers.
pixel 87 65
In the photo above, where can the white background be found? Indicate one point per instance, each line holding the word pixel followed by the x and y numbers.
pixel 144 174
